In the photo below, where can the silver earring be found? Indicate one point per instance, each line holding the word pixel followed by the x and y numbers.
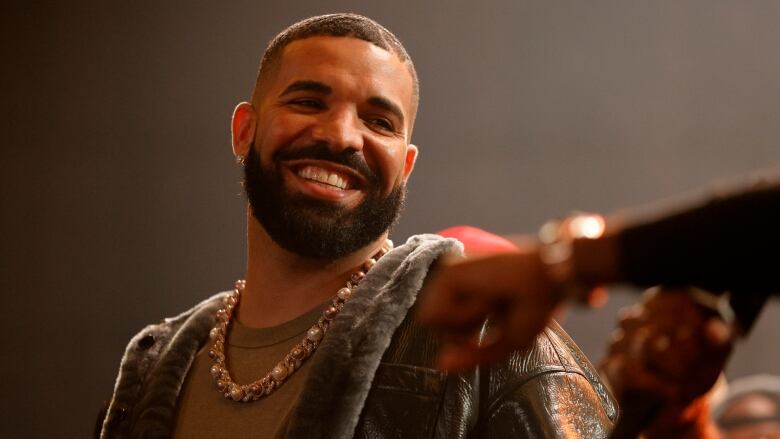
pixel 240 160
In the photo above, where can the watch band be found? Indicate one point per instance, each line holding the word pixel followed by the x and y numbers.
pixel 557 252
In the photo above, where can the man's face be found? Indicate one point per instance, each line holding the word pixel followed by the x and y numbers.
pixel 327 172
pixel 752 416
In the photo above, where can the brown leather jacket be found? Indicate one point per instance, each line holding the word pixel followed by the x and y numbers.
pixel 548 391
pixel 372 376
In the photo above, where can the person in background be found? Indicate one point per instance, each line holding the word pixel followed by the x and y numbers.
pixel 750 409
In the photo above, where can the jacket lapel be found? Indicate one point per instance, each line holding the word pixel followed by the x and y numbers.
pixel 155 411
pixel 343 368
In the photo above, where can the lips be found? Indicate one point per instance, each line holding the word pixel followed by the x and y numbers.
pixel 324 176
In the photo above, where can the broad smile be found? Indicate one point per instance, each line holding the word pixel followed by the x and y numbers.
pixel 325 180
pixel 324 176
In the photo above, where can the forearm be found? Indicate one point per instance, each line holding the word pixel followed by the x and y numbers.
pixel 727 242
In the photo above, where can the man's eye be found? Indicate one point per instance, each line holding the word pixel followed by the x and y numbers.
pixel 383 124
pixel 308 103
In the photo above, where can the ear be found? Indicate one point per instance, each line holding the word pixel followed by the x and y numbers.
pixel 243 128
pixel 411 158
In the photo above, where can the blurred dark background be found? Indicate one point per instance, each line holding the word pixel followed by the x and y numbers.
pixel 121 203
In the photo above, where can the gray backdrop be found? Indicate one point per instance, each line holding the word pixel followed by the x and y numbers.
pixel 121 203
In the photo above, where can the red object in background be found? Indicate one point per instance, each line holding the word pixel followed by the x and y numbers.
pixel 479 242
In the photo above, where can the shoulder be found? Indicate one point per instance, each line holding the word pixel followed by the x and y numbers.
pixel 406 266
pixel 547 390
pixel 553 373
pixel 147 345
pixel 429 244
pixel 161 333
pixel 174 338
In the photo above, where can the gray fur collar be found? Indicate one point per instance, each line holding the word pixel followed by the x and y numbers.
pixel 341 373
pixel 344 368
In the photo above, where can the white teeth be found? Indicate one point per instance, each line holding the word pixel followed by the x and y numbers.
pixel 322 176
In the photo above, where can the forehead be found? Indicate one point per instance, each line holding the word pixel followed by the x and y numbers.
pixel 752 405
pixel 349 65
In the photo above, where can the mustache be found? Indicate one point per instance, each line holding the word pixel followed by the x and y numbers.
pixel 321 151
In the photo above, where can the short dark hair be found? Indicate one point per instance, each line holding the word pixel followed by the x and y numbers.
pixel 337 25
pixel 762 386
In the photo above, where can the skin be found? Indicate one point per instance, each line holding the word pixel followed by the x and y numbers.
pixel 671 350
pixel 348 94
pixel 668 348
pixel 461 293
pixel 513 289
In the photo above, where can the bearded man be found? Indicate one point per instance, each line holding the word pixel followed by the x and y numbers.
pixel 318 340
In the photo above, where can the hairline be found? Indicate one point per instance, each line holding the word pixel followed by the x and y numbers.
pixel 270 66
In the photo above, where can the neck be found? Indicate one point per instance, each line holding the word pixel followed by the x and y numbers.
pixel 281 285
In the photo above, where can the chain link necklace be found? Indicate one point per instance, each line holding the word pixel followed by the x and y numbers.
pixel 295 358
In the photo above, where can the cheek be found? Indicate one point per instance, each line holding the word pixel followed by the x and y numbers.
pixel 277 133
pixel 391 159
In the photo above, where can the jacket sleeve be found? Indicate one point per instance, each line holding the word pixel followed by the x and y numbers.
pixel 547 391
pixel 725 242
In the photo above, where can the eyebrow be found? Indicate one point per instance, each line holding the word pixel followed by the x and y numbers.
pixel 386 104
pixel 319 87
pixel 315 86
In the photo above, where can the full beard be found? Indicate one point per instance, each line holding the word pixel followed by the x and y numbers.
pixel 315 228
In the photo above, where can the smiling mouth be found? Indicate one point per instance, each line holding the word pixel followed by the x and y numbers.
pixel 331 179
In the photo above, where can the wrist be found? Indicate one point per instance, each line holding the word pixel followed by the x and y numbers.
pixel 596 260
pixel 569 267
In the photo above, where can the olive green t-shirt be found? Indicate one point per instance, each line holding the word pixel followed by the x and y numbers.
pixel 251 353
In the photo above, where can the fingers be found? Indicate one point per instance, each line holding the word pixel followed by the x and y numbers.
pixel 718 333
pixel 514 330
pixel 511 289
pixel 626 374
pixel 671 339
pixel 462 293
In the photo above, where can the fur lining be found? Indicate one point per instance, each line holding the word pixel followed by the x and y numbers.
pixel 157 408
pixel 344 366
pixel 342 369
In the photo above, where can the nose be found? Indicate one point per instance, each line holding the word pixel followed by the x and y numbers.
pixel 340 129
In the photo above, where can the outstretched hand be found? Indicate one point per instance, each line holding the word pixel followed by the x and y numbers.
pixel 669 349
pixel 511 289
